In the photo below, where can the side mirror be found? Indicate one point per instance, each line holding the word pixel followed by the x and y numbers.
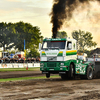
pixel 70 46
pixel 39 46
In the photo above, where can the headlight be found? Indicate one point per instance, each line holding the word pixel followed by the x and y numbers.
pixel 62 64
pixel 41 64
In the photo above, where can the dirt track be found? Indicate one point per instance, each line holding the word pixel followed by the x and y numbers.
pixel 50 89
pixel 16 74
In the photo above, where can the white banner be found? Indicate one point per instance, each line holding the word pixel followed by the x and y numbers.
pixel 15 65
pixel 30 65
pixel 93 59
pixel 36 64
pixel 19 65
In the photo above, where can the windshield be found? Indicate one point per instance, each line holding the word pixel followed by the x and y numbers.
pixel 53 45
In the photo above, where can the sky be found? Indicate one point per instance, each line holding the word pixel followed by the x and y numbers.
pixel 36 12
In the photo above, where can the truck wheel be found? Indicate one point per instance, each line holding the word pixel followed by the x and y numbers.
pixel 64 76
pixel 71 71
pixel 82 77
pixel 89 73
pixel 47 75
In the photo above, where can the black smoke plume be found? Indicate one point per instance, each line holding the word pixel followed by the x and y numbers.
pixel 58 15
pixel 62 10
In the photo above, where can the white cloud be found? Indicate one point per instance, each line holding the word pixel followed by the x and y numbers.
pixel 21 7
pixel 35 12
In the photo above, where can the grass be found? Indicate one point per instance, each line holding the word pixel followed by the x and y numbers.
pixel 23 78
pixel 27 78
pixel 19 69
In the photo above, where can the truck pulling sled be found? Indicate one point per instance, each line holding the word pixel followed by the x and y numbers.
pixel 59 56
pixel 96 72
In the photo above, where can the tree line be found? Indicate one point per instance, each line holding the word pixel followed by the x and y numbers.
pixel 84 40
pixel 12 35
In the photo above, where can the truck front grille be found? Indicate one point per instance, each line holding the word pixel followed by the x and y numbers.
pixel 51 64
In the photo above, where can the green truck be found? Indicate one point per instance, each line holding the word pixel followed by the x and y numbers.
pixel 59 56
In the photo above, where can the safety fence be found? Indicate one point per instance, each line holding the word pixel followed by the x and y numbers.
pixel 19 65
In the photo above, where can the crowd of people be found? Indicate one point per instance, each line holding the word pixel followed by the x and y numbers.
pixel 19 60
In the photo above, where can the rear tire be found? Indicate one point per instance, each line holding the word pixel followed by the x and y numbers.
pixel 64 76
pixel 48 75
pixel 82 77
pixel 89 73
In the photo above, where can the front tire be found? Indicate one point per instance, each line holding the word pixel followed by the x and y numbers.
pixel 71 71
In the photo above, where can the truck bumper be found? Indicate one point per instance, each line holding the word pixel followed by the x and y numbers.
pixel 54 72
pixel 57 69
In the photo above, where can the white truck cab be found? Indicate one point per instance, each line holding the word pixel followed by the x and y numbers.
pixel 58 49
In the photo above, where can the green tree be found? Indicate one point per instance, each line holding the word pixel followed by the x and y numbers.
pixel 61 34
pixel 33 53
pixel 7 32
pixel 13 35
pixel 32 35
pixel 84 40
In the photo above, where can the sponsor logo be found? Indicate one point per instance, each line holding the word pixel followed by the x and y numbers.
pixel 51 53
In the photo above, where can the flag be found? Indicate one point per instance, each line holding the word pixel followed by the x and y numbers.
pixel 24 44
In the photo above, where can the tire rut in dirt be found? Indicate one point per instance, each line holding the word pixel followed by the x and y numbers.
pixel 17 74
